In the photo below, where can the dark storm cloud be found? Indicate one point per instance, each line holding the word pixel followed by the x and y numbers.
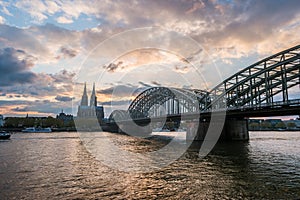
pixel 15 67
pixel 63 98
pixel 43 85
pixel 68 52
pixel 22 38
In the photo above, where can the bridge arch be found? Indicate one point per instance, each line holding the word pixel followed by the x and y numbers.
pixel 118 115
pixel 173 101
pixel 258 84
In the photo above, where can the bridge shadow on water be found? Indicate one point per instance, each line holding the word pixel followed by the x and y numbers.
pixel 236 151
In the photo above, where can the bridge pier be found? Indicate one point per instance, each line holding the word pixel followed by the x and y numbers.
pixel 233 130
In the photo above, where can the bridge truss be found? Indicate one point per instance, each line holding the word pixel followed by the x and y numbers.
pixel 267 83
pixel 157 101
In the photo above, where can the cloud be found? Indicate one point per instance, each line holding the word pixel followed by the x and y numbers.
pixel 196 6
pixel 37 9
pixel 33 108
pixel 18 109
pixel 63 76
pixel 15 67
pixel 64 20
pixel 182 69
pixel 116 103
pixel 64 98
pixel 112 67
pixel 23 39
pixel 226 30
pixel 45 42
pixel 2 20
pixel 121 90
pixel 248 27
pixel 68 53
pixel 55 86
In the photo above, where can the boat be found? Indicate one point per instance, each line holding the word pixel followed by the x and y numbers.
pixel 37 130
pixel 4 135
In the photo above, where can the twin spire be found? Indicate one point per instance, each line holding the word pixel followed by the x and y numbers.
pixel 84 99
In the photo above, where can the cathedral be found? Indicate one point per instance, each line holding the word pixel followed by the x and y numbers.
pixel 92 110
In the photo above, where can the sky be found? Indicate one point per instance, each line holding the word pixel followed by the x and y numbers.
pixel 48 49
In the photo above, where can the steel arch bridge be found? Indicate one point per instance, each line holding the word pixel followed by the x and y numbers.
pixel 263 85
pixel 157 101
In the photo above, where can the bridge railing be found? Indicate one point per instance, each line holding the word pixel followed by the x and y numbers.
pixel 292 102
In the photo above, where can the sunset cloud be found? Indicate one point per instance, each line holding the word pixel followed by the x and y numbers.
pixel 15 67
pixel 58 44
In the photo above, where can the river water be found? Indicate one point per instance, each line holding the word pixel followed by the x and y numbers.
pixel 58 166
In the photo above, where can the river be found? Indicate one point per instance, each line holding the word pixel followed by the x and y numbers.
pixel 58 166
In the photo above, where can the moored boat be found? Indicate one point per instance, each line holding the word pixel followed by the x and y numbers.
pixel 37 130
pixel 4 135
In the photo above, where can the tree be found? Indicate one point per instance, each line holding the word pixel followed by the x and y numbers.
pixel 11 122
pixel 254 126
pixel 291 125
pixel 266 125
pixel 28 122
pixel 280 125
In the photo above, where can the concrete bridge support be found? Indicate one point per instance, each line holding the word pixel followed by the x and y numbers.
pixel 235 129
pixel 232 129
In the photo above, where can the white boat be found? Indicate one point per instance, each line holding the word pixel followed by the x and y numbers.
pixel 37 130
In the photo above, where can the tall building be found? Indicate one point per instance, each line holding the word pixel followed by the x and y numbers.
pixel 92 110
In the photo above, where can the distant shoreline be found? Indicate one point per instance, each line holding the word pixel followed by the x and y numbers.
pixel 53 130
pixel 276 130
pixel 19 130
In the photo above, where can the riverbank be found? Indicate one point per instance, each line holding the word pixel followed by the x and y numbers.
pixel 66 129
pixel 283 130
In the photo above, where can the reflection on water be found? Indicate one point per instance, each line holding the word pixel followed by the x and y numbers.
pixel 57 166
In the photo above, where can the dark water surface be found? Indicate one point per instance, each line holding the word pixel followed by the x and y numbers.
pixel 57 166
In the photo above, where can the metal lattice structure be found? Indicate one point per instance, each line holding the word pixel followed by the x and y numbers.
pixel 118 115
pixel 158 101
pixel 267 83
pixel 259 84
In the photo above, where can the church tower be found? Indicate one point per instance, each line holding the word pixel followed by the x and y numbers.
pixel 93 100
pixel 84 98
pixel 92 110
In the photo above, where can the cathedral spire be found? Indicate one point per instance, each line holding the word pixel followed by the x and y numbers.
pixel 93 89
pixel 84 90
pixel 84 99
pixel 93 100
